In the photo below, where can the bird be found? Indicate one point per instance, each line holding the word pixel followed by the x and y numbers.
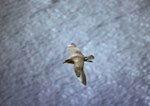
pixel 78 59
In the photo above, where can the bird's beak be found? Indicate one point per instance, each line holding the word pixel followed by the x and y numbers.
pixel 89 61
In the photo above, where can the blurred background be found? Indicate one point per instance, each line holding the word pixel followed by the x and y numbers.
pixel 34 35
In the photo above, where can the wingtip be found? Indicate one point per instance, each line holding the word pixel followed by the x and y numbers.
pixel 72 44
pixel 84 84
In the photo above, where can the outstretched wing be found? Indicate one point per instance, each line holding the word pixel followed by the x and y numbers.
pixel 74 50
pixel 78 68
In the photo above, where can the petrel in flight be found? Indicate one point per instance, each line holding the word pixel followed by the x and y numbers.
pixel 78 59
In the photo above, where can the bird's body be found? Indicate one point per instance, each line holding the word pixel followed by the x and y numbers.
pixel 77 58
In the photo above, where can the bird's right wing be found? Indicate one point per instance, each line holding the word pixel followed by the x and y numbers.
pixel 78 68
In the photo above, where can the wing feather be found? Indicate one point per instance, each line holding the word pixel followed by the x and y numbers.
pixel 78 68
pixel 74 50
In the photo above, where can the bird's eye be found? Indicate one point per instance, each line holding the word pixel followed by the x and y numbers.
pixel 85 58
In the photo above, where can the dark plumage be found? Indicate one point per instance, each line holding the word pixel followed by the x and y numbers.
pixel 77 58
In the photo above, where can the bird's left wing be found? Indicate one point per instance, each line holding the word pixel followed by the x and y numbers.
pixel 74 50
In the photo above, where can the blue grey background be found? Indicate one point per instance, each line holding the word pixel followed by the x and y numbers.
pixel 34 35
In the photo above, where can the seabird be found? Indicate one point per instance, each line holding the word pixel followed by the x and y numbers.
pixel 78 59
